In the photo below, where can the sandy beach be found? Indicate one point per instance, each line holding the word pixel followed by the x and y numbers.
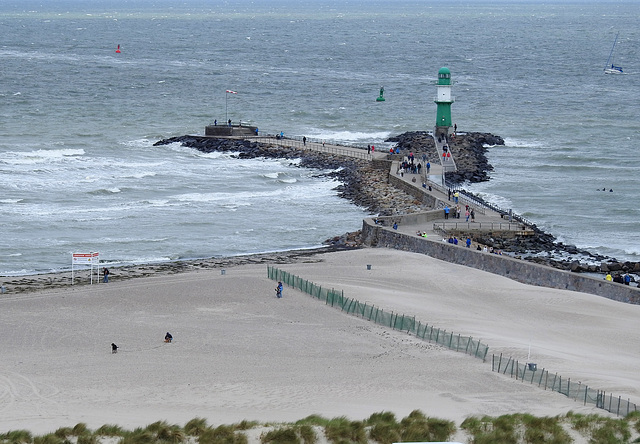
pixel 240 353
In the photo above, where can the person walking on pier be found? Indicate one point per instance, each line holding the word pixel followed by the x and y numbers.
pixel 446 211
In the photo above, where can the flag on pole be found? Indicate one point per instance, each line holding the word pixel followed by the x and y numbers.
pixel 231 92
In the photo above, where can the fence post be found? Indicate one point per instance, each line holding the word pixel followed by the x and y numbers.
pixel 586 389
pixel 506 366
pixel 533 375
pixel 546 380
pixel 618 409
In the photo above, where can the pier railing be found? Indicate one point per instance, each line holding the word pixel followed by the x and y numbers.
pixel 479 202
pixel 443 227
pixel 477 205
pixel 355 150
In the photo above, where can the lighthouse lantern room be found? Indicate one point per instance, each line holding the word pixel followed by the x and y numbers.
pixel 443 101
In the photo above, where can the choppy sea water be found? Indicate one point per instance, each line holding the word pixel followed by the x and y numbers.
pixel 78 171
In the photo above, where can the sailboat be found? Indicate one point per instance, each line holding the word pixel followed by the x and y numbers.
pixel 610 68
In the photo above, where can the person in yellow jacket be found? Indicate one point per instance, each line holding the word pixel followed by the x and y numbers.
pixel 608 277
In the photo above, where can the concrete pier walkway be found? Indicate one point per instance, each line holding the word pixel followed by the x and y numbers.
pixel 435 224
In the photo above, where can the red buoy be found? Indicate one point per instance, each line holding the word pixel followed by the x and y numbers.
pixel 118 50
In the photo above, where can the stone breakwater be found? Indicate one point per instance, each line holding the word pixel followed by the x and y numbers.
pixel 362 183
pixel 468 149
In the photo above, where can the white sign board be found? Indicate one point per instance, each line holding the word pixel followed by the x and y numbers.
pixel 84 259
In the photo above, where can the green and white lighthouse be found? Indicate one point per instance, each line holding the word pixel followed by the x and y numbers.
pixel 444 99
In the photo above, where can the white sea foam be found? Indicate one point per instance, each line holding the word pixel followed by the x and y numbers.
pixel 511 142
pixel 348 136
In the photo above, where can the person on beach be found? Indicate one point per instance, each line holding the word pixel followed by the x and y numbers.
pixel 368 149
pixel 473 215
pixel 304 140
pixel 114 348
pixel 446 212
pixel 279 290
pixel 468 242
pixel 168 338
pixel 105 273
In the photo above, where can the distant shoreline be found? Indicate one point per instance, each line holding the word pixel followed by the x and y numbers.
pixel 62 279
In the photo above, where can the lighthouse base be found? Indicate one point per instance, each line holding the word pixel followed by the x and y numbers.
pixel 441 131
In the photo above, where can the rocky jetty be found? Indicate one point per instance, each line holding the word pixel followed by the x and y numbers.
pixel 362 184
pixel 468 149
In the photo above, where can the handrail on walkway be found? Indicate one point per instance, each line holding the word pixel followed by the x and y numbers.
pixel 488 226
pixel 464 199
pixel 314 145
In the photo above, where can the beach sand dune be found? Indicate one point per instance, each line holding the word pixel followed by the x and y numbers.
pixel 241 353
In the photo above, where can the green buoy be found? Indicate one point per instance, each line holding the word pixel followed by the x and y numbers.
pixel 381 99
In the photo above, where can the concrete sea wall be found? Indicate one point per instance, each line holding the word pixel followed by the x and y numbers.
pixel 519 270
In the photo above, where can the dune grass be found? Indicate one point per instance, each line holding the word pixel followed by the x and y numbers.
pixel 379 428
